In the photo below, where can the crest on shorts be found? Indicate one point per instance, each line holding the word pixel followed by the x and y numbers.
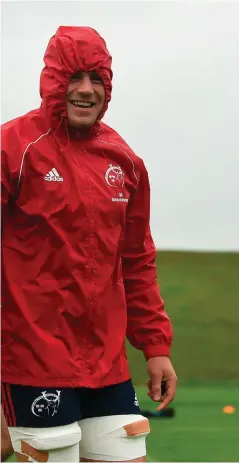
pixel 114 176
pixel 136 402
pixel 46 404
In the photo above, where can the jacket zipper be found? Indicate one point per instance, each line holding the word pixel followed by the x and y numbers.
pixel 92 296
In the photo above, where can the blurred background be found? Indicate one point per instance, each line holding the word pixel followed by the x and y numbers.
pixel 176 102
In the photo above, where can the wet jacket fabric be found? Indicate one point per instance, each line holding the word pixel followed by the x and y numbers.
pixel 78 259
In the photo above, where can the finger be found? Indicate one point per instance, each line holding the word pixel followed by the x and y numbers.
pixel 164 403
pixel 155 387
pixel 156 391
pixel 149 394
pixel 169 396
pixel 149 385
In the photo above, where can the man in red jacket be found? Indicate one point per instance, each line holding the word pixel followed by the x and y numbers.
pixel 78 269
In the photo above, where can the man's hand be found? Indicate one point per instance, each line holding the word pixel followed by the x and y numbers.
pixel 159 369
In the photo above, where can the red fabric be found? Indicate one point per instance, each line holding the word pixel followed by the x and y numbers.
pixel 78 260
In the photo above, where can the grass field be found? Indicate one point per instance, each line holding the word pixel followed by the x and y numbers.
pixel 201 293
pixel 200 431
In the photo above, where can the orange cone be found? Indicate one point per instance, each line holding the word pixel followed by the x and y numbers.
pixel 229 409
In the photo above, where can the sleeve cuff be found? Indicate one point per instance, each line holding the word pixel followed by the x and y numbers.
pixel 156 351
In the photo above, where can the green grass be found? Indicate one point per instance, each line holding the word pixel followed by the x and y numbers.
pixel 200 431
pixel 201 293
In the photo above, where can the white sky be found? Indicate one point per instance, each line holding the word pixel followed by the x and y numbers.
pixel 175 101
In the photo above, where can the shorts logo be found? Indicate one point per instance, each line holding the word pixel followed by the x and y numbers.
pixel 46 404
pixel 114 176
pixel 136 402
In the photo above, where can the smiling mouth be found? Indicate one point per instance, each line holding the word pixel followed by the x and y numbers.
pixel 82 104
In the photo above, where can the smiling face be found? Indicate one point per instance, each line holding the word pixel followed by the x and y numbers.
pixel 85 99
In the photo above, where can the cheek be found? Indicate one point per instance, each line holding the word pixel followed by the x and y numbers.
pixel 102 96
pixel 70 88
pixel 100 91
pixel 69 107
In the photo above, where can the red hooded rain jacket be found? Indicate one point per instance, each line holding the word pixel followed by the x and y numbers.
pixel 78 259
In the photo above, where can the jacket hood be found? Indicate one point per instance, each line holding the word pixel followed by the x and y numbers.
pixel 72 49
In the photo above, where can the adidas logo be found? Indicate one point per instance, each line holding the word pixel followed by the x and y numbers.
pixel 53 176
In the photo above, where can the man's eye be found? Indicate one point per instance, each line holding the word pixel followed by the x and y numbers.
pixel 79 75
pixel 94 77
pixel 76 76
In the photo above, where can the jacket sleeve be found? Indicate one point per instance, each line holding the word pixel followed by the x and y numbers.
pixel 148 328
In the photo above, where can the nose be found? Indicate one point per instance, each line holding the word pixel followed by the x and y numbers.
pixel 84 85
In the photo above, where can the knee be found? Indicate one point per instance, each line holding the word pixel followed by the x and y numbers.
pixel 114 438
pixel 37 443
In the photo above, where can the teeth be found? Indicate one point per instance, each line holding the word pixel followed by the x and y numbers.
pixel 83 104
